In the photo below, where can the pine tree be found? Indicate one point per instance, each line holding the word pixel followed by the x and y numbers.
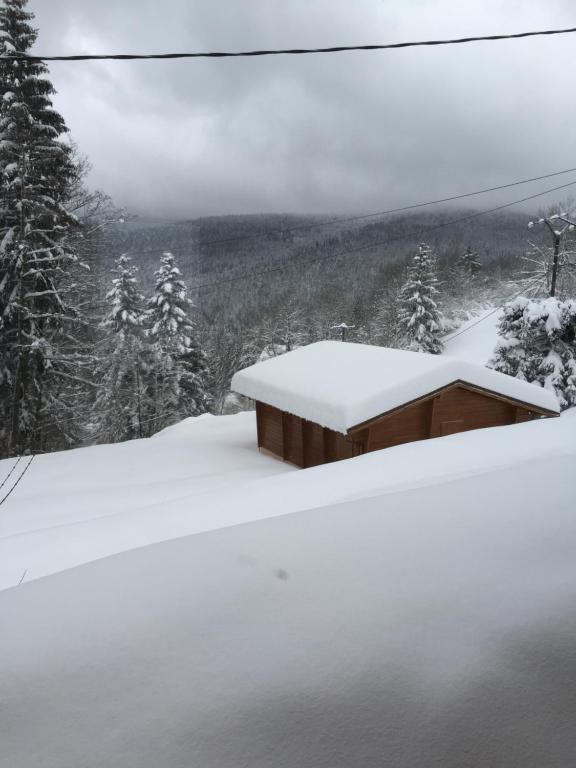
pixel 538 344
pixel 38 262
pixel 419 317
pixel 119 409
pixel 468 263
pixel 177 364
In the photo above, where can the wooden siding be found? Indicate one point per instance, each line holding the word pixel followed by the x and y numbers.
pixel 314 445
pixel 405 426
pixel 472 409
pixel 270 432
pixel 293 439
pixel 456 408
pixel 301 442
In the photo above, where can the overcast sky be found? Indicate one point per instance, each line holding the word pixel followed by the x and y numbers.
pixel 337 133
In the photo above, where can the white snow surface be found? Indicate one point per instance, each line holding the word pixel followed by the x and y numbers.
pixel 426 622
pixel 206 473
pixel 476 339
pixel 340 385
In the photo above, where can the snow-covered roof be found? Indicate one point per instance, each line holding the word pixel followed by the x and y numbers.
pixel 340 385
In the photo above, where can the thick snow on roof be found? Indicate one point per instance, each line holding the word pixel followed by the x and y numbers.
pixel 340 385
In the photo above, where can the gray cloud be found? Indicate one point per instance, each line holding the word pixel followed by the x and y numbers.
pixel 349 132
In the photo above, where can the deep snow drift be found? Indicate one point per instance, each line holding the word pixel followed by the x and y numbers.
pixel 430 627
pixel 206 473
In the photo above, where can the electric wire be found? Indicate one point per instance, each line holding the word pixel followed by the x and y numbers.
pixel 376 244
pixel 349 219
pixel 489 314
pixel 9 475
pixel 18 480
pixel 286 51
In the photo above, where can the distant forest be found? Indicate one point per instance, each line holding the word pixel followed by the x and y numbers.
pixel 271 282
pixel 339 269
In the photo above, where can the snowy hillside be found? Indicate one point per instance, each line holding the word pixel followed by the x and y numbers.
pixel 429 624
pixel 206 473
pixel 207 605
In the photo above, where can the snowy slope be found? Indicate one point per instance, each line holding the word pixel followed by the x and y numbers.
pixel 475 340
pixel 429 627
pixel 206 473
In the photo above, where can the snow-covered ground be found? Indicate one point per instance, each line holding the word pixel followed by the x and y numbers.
pixel 413 608
pixel 428 625
pixel 206 473
pixel 476 339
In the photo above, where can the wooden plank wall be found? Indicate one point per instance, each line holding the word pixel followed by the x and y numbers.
pixel 402 426
pixel 270 430
pixel 298 441
pixel 455 409
pixel 473 410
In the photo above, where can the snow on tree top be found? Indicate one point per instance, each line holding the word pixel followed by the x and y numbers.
pixel 340 385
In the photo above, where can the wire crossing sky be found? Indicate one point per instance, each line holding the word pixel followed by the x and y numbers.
pixel 324 134
pixel 287 51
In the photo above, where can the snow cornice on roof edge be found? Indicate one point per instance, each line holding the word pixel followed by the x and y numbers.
pixel 341 385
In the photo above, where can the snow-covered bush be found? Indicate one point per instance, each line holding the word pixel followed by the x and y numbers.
pixel 538 344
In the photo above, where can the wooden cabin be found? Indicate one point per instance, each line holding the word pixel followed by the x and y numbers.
pixel 333 400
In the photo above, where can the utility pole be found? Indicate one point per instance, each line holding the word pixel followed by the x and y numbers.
pixel 557 238
pixel 343 327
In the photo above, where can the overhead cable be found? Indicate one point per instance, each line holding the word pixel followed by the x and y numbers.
pixel 285 51
pixel 403 236
pixel 360 217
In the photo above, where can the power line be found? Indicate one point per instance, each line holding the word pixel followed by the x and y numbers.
pixel 367 246
pixel 18 480
pixel 473 325
pixel 489 314
pixel 286 51
pixel 361 217
pixel 8 476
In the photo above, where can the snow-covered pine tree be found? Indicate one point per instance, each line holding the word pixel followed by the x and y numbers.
pixel 177 365
pixel 468 263
pixel 419 316
pixel 39 376
pixel 120 404
pixel 538 344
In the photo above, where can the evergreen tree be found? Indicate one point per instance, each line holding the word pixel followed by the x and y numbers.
pixel 468 263
pixel 419 317
pixel 538 344
pixel 177 366
pixel 38 262
pixel 119 412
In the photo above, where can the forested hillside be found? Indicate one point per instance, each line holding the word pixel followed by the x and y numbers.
pixel 282 256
